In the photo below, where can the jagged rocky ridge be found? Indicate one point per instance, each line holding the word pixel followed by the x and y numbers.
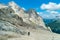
pixel 13 18
pixel 16 23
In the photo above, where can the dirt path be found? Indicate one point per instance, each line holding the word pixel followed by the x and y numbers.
pixel 39 35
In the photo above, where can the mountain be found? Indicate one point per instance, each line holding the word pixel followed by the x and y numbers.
pixel 30 16
pixel 55 26
pixel 18 24
pixel 48 20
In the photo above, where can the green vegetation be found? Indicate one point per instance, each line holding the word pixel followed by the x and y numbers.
pixel 55 26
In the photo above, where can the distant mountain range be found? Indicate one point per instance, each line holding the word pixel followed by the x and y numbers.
pixel 54 24
pixel 48 20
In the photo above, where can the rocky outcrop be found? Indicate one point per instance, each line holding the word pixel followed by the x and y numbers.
pixel 30 16
pixel 16 22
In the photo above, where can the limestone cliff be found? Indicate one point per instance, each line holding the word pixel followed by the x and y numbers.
pixel 18 24
pixel 30 16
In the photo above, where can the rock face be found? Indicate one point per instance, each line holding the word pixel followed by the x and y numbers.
pixel 30 16
pixel 17 23
pixel 13 18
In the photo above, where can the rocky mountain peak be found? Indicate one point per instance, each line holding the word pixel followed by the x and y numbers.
pixel 30 17
pixel 33 13
pixel 18 24
pixel 14 6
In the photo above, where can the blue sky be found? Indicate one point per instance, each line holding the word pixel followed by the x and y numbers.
pixel 45 8
pixel 30 3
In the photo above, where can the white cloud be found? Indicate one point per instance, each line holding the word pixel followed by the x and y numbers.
pixel 39 13
pixel 48 14
pixel 23 8
pixel 50 6
pixel 43 15
pixel 52 12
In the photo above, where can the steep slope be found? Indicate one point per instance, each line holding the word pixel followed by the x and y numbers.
pixel 17 24
pixel 12 20
pixel 9 21
pixel 35 18
pixel 30 17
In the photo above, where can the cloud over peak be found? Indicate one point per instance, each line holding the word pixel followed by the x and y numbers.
pixel 50 6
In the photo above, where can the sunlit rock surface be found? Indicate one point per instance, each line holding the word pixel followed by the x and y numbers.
pixel 18 24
